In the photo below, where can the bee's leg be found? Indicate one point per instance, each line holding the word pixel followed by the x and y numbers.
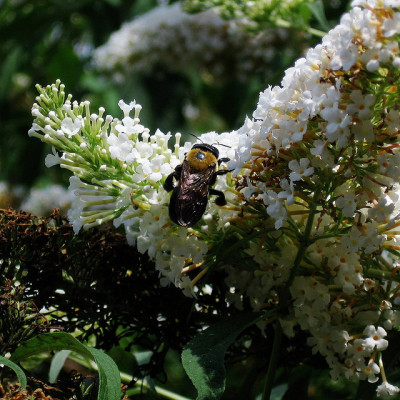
pixel 214 178
pixel 221 160
pixel 169 182
pixel 220 200
pixel 223 171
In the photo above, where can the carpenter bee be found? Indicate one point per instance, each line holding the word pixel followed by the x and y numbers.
pixel 196 176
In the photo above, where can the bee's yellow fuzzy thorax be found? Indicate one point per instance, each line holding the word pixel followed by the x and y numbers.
pixel 200 160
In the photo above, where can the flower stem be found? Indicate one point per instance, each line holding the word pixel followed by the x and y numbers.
pixel 381 368
pixel 304 241
pixel 273 361
pixel 312 31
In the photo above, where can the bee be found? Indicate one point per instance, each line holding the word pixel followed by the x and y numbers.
pixel 196 176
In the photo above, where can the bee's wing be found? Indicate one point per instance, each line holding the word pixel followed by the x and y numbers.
pixel 192 195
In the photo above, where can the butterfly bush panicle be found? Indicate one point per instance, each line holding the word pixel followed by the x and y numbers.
pixel 118 170
pixel 310 232
pixel 328 138
pixel 42 201
pixel 167 36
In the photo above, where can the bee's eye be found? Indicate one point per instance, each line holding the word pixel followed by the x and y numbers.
pixel 200 155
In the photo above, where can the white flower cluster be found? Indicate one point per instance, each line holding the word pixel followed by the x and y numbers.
pixel 118 172
pixel 42 201
pixel 168 37
pixel 314 205
pixel 322 154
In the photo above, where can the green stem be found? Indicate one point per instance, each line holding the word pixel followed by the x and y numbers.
pixel 379 274
pixel 304 242
pixel 160 391
pixel 383 374
pixel 315 32
pixel 273 361
pixel 140 384
pixel 285 24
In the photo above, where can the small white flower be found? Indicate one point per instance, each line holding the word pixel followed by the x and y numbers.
pixel 393 120
pixel 288 191
pixel 364 130
pixel 275 207
pixel 392 319
pixel 374 56
pixel 382 210
pixel 370 372
pixel 155 168
pixel 250 189
pixel 319 147
pixel 354 240
pixel 336 119
pixel 357 350
pixel 129 126
pixel 126 108
pixel 52 159
pixel 186 285
pixel 34 129
pixel 121 147
pixel 347 203
pixel 75 212
pixel 300 169
pixel 374 239
pixel 391 26
pixel 375 338
pixel 385 390
pixel 361 104
pixel 349 277
pixel 340 340
pixel 71 128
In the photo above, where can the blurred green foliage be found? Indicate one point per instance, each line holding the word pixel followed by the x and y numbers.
pixel 43 40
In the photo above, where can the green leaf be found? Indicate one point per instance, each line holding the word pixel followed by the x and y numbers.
pixel 7 70
pixel 20 374
pixel 125 360
pixel 57 363
pixel 110 387
pixel 109 379
pixel 203 356
pixel 318 11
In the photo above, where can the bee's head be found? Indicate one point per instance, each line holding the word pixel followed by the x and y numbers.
pixel 207 147
pixel 202 155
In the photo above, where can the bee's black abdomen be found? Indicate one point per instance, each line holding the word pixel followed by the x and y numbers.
pixel 195 176
pixel 185 209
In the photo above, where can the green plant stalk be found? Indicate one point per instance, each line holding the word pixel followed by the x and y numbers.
pixel 273 361
pixel 160 391
pixel 304 241
pixel 379 274
pixel 281 23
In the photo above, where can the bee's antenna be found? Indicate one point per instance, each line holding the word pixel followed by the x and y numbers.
pixel 220 144
pixel 192 134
